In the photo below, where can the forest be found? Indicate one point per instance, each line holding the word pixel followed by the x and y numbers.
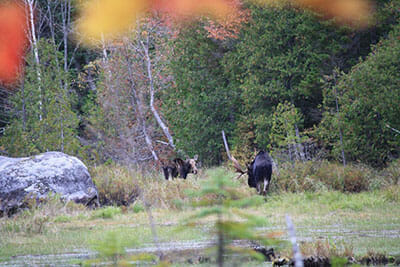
pixel 319 92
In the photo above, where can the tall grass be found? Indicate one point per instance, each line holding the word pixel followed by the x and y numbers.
pixel 121 185
pixel 325 176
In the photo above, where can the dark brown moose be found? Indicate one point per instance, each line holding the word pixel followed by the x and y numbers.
pixel 181 167
pixel 259 171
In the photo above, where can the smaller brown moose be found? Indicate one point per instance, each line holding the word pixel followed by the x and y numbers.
pixel 181 167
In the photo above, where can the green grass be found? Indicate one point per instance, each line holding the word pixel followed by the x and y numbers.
pixel 367 221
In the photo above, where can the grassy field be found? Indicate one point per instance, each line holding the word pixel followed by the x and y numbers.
pixel 352 223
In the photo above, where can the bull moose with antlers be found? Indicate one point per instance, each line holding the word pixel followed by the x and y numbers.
pixel 259 171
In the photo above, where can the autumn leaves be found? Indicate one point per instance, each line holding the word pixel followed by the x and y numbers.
pixel 101 20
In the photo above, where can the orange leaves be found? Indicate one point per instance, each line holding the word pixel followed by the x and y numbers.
pixel 13 40
pixel 190 8
pixel 109 18
pixel 229 26
pixel 348 12
pixel 355 13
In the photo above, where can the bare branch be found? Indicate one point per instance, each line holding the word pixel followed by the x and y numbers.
pixel 236 164
pixel 393 129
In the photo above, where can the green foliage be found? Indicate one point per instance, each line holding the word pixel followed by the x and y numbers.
pixel 43 115
pixel 220 201
pixel 137 207
pixel 284 134
pixel 369 106
pixel 106 212
pixel 280 57
pixel 63 219
pixel 200 105
pixel 284 120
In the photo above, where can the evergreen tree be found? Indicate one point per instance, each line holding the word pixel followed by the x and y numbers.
pixel 281 56
pixel 43 116
pixel 200 104
pixel 369 103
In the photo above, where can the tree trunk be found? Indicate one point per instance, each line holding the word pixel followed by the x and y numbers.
pixel 340 128
pixel 157 116
pixel 299 148
pixel 33 40
pixel 139 108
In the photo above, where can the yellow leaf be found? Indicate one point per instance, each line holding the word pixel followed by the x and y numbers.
pixel 107 19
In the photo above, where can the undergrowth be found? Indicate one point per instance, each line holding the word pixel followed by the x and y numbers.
pixel 314 176
pixel 119 185
pixel 36 218
pixel 124 186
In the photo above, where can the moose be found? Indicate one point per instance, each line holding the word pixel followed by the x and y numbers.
pixel 259 171
pixel 181 167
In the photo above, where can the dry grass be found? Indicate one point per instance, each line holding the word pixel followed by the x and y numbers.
pixel 314 176
pixel 325 249
pixel 37 218
pixel 120 185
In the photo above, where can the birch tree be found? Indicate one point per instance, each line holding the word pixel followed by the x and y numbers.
pixel 133 74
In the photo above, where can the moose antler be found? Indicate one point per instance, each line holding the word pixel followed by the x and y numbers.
pixel 236 164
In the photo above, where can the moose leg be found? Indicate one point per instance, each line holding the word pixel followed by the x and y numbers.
pixel 259 188
pixel 266 185
pixel 166 172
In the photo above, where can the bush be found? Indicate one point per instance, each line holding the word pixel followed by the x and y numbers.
pixel 137 207
pixel 107 212
pixel 115 184
pixel 323 175
pixel 392 194
pixel 392 172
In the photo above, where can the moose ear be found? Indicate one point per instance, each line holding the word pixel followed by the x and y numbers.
pixel 196 157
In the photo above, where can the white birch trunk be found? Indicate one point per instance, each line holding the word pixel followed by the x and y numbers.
pixel 32 37
pixel 299 147
pixel 138 103
pixel 157 116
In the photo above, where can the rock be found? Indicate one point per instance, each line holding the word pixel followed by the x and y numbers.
pixel 37 176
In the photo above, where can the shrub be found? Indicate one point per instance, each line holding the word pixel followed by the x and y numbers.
pixel 322 175
pixel 392 194
pixel 107 212
pixel 392 172
pixel 137 207
pixel 115 184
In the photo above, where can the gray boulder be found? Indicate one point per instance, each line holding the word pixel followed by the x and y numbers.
pixel 37 176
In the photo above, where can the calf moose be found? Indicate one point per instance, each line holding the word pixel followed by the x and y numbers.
pixel 181 167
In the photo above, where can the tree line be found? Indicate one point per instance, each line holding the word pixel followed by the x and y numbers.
pixel 285 81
